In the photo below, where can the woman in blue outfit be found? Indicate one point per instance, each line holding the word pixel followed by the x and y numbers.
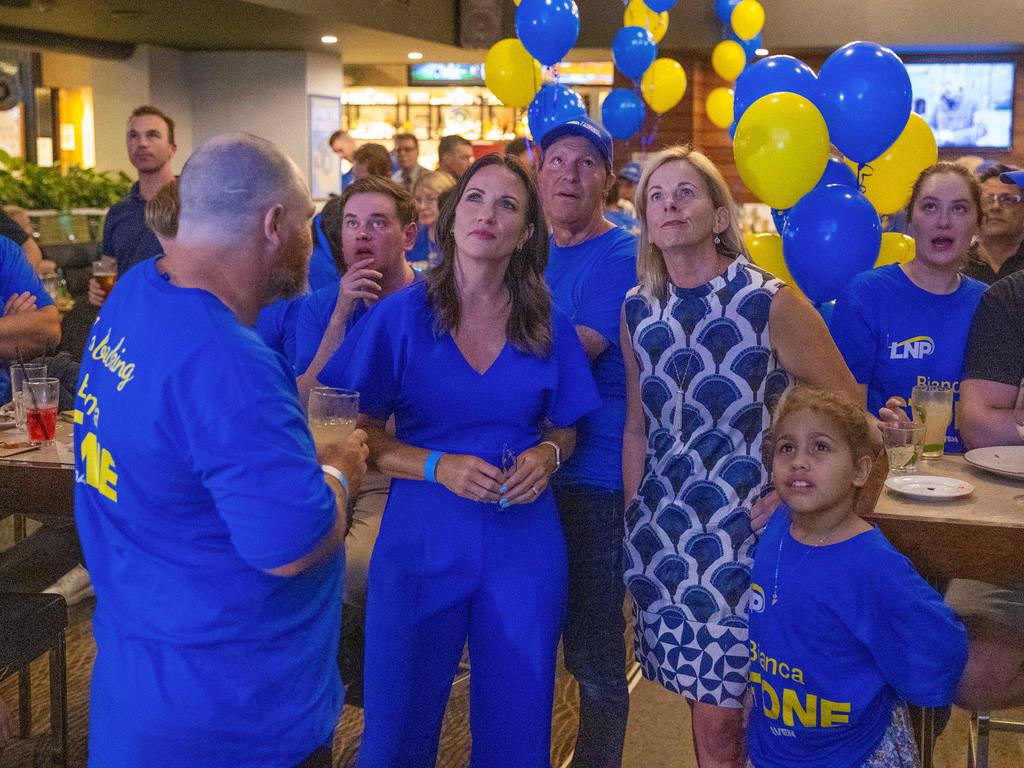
pixel 484 379
pixel 715 341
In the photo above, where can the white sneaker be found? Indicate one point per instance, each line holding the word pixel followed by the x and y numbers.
pixel 74 586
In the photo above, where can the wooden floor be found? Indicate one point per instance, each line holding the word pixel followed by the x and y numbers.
pixel 658 734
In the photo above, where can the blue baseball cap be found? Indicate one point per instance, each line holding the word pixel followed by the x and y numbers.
pixel 1012 177
pixel 631 172
pixel 588 129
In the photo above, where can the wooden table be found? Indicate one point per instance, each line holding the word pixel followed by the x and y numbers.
pixel 979 536
pixel 39 483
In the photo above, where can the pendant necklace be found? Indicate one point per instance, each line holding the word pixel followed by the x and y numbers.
pixel 778 558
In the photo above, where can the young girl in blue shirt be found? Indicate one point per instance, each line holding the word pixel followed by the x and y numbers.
pixel 843 631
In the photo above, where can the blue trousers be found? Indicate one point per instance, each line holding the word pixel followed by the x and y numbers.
pixel 444 571
pixel 594 638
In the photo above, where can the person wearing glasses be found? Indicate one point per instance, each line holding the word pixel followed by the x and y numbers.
pixel 999 250
pixel 904 325
pixel 407 156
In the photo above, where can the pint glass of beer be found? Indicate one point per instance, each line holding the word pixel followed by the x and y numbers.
pixel 104 271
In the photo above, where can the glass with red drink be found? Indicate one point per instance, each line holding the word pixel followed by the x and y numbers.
pixel 40 398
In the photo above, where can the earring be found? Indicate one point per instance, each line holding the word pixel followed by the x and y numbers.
pixel 718 240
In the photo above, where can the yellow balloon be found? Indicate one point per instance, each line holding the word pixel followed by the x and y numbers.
pixel 747 19
pixel 766 252
pixel 719 107
pixel 511 73
pixel 897 248
pixel 663 84
pixel 781 148
pixel 887 183
pixel 639 15
pixel 728 59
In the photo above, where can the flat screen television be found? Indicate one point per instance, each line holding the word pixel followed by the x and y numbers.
pixel 968 105
pixel 442 73
pixel 599 73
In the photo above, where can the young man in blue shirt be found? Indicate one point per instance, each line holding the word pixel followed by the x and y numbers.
pixel 211 525
pixel 591 266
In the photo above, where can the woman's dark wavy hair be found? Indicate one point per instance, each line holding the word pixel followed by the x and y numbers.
pixel 529 322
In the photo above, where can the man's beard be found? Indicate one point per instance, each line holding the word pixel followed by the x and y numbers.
pixel 290 277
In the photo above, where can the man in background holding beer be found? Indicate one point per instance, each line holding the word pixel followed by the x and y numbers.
pixel 126 238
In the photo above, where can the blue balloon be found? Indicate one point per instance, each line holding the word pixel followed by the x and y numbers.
pixel 864 94
pixel 831 234
pixel 622 113
pixel 552 106
pixel 633 51
pixel 723 10
pixel 751 46
pixel 838 172
pixel 548 28
pixel 773 74
pixel 660 6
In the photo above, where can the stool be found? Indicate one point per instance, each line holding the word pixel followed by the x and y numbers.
pixel 31 625
pixel 977 736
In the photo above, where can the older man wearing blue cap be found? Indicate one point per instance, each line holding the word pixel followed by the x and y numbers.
pixel 591 266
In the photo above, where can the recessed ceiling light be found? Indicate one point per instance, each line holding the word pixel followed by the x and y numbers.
pixel 761 52
pixel 415 55
pixel 329 39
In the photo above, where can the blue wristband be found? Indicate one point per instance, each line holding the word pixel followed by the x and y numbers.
pixel 430 466
pixel 338 475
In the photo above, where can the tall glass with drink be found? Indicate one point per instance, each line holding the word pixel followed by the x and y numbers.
pixel 19 373
pixel 933 407
pixel 41 397
pixel 104 272
pixel 332 413
pixel 903 442
pixel 1018 410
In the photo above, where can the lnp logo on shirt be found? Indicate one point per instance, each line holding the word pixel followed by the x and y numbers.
pixel 756 604
pixel 914 348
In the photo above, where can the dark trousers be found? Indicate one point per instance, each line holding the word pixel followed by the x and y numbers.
pixel 593 637
pixel 319 758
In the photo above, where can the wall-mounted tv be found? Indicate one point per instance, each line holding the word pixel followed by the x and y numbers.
pixel 586 73
pixel 968 105
pixel 442 73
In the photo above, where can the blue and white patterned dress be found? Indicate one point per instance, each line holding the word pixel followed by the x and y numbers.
pixel 707 370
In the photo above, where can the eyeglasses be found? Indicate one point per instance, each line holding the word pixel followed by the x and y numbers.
pixel 1004 200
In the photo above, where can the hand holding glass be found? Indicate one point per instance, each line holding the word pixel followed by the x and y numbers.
pixel 903 442
pixel 332 413
pixel 933 407
pixel 104 271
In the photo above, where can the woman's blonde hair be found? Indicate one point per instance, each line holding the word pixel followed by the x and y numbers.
pixel 650 263
pixel 437 182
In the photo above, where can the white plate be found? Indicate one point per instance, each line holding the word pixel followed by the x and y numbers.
pixel 929 486
pixel 1006 460
pixel 6 420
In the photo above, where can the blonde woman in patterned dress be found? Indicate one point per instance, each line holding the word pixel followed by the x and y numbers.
pixel 715 340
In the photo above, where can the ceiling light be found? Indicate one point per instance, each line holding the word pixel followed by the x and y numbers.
pixel 415 55
pixel 329 39
pixel 761 52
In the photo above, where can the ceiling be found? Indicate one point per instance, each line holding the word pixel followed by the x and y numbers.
pixel 384 31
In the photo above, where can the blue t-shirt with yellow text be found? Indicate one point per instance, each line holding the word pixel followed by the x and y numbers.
pixel 894 335
pixel 195 474
pixel 16 276
pixel 855 629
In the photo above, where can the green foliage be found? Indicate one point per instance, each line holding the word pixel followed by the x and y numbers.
pixel 37 188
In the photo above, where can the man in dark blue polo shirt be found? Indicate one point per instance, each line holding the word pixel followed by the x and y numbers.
pixel 126 238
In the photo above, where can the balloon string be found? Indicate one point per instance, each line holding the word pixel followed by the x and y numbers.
pixel 864 171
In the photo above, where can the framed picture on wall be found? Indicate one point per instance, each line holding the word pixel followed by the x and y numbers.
pixel 324 171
